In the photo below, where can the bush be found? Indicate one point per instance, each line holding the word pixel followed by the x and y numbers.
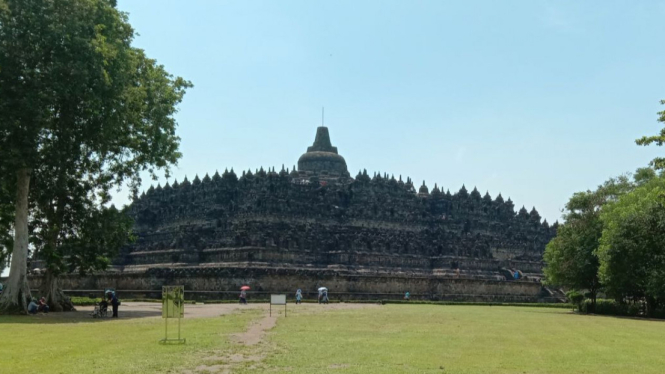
pixel 85 301
pixel 612 308
pixel 575 297
pixel 532 305
pixel 265 301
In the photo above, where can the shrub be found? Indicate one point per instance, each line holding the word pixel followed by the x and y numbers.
pixel 612 308
pixel 532 305
pixel 575 297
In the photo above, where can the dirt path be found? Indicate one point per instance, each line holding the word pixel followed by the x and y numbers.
pixel 256 331
pixel 131 310
pixel 252 346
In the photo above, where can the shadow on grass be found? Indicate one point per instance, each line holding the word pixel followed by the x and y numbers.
pixel 619 317
pixel 578 314
pixel 77 317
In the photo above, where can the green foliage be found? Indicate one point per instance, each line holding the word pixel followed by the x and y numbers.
pixel 575 297
pixel 84 112
pixel 90 301
pixel 85 301
pixel 570 257
pixel 611 308
pixel 632 247
pixel 76 95
pixel 90 245
pixel 464 303
pixel 659 139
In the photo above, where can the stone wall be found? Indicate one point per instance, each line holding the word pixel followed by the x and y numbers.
pixel 223 283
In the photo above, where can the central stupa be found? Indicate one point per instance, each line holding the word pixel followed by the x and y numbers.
pixel 322 159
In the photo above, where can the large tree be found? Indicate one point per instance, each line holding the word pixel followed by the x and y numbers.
pixel 81 110
pixel 632 246
pixel 570 257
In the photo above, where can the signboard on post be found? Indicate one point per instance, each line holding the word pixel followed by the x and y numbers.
pixel 278 300
pixel 173 306
pixel 173 302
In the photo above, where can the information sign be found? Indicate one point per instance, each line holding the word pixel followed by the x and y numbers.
pixel 278 300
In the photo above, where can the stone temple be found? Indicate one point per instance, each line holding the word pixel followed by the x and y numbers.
pixel 372 236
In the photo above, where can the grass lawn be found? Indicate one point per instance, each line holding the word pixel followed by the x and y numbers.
pixel 464 339
pixel 373 339
pixel 37 344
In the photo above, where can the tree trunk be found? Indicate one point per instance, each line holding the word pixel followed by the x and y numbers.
pixel 651 306
pixel 55 298
pixel 15 295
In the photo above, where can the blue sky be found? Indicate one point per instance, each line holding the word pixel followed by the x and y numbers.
pixel 533 99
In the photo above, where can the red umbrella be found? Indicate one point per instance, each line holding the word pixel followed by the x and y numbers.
pixel 245 288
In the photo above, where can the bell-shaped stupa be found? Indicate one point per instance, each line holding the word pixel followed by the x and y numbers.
pixel 322 158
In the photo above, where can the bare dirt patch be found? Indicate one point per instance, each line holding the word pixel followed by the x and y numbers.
pixel 131 310
pixel 256 332
pixel 338 366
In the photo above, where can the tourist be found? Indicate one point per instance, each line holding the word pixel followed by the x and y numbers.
pixel 113 300
pixel 33 307
pixel 324 297
pixel 43 306
pixel 299 296
pixel 407 296
pixel 243 297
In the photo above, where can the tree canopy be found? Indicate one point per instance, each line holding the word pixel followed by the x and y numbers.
pixel 632 247
pixel 570 257
pixel 659 139
pixel 81 111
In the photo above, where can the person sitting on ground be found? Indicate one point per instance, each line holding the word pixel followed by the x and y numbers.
pixel 33 307
pixel 43 306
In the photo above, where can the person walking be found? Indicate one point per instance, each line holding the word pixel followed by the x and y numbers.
pixel 407 296
pixel 299 296
pixel 243 297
